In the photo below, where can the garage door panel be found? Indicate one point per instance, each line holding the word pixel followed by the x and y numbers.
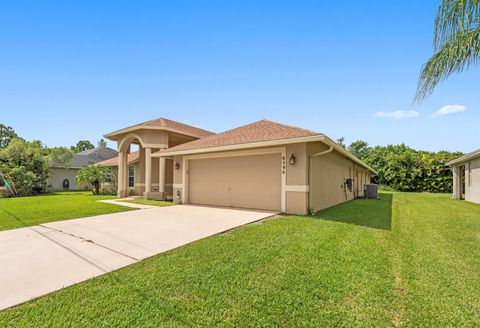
pixel 244 181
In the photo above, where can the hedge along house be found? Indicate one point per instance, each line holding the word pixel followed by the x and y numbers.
pixel 265 165
pixel 152 177
pixel 466 177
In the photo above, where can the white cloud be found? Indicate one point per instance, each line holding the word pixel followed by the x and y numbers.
pixel 398 114
pixel 449 109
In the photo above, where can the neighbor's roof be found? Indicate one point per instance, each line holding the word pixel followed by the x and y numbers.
pixel 133 157
pixel 263 130
pixel 88 157
pixel 258 134
pixel 465 158
pixel 164 124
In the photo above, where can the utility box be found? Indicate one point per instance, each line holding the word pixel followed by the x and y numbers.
pixel 371 191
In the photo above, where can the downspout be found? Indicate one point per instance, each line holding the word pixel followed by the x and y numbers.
pixel 324 152
pixel 329 150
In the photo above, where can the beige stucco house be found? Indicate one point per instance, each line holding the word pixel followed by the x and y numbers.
pixel 263 165
pixel 63 177
pixel 466 177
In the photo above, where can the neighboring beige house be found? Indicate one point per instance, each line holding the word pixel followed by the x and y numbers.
pixel 64 177
pixel 466 177
pixel 132 172
pixel 263 165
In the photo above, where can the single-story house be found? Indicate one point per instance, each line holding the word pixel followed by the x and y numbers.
pixel 466 177
pixel 63 177
pixel 263 165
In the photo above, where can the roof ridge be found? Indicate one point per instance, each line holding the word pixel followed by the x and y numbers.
pixel 165 123
pixel 248 133
pixel 288 125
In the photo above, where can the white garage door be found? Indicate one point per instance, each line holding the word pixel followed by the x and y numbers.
pixel 245 181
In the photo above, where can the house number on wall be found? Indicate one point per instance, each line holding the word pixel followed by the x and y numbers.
pixel 283 164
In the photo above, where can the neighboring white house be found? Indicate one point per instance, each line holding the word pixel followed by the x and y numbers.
pixel 64 177
pixel 466 177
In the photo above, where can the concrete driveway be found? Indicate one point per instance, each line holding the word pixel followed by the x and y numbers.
pixel 38 260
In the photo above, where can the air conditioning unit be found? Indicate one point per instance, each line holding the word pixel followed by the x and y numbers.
pixel 371 191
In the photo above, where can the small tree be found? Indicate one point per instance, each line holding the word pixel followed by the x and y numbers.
pixel 6 135
pixel 59 155
pixel 94 175
pixel 25 166
pixel 341 142
pixel 82 145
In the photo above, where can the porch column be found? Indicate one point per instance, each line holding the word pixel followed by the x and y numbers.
pixel 161 174
pixel 148 170
pixel 122 172
pixel 457 182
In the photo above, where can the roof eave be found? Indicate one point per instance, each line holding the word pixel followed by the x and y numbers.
pixel 269 143
pixel 348 154
pixel 112 135
pixel 464 158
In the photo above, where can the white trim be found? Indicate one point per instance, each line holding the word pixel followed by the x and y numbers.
pixel 129 176
pixel 297 188
pixel 278 150
pixel 178 185
pixel 278 142
pixel 237 153
pixel 465 158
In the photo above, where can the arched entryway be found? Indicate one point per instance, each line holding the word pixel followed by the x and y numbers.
pixel 146 167
pixel 66 184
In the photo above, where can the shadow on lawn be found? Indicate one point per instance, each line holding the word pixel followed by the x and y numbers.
pixel 371 213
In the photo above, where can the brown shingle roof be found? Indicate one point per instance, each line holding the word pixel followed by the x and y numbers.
pixel 263 130
pixel 167 124
pixel 114 161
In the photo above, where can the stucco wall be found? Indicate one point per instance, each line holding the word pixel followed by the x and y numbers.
pixel 472 181
pixel 327 176
pixel 59 174
pixel 296 202
pixel 177 179
pixel 320 187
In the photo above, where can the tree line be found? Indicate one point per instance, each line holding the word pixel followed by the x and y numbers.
pixel 25 165
pixel 402 168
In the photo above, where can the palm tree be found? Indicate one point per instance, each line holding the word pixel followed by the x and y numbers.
pixel 94 175
pixel 456 43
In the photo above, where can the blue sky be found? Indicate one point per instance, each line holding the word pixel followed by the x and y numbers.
pixel 75 70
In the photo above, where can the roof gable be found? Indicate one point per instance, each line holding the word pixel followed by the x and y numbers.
pixel 165 124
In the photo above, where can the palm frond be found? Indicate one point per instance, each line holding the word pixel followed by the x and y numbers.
pixel 457 53
pixel 454 16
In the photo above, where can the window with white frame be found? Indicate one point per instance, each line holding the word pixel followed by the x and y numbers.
pixel 131 177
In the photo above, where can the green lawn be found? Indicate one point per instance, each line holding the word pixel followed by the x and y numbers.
pixel 27 211
pixel 405 260
pixel 149 202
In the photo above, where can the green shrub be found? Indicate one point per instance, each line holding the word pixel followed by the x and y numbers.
pixel 25 166
pixel 402 168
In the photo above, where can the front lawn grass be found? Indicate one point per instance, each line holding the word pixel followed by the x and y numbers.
pixel 149 202
pixel 27 211
pixel 405 260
